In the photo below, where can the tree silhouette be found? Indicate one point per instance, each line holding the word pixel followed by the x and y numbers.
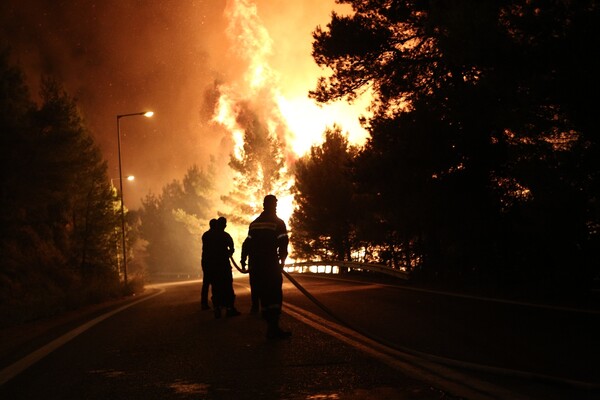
pixel 488 148
pixel 57 241
pixel 323 225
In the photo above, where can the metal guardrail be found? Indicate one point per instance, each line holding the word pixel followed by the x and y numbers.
pixel 380 268
pixel 297 267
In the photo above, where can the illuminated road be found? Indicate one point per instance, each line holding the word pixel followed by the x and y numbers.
pixel 165 348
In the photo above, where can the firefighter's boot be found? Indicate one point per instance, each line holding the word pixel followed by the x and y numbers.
pixel 273 329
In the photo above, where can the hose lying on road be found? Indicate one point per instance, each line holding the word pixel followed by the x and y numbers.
pixel 431 357
pixel 314 300
pixel 304 291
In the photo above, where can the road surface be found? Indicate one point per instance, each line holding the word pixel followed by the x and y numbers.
pixel 385 341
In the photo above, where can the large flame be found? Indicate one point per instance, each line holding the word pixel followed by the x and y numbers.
pixel 289 117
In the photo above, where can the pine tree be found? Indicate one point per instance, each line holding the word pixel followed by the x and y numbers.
pixel 324 222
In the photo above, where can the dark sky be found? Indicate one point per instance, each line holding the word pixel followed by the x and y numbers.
pixel 125 56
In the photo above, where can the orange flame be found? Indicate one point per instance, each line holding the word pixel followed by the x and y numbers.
pixel 292 118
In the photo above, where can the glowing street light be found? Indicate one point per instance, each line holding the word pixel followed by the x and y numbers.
pixel 129 178
pixel 145 114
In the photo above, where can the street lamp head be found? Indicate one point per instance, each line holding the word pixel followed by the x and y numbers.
pixel 147 114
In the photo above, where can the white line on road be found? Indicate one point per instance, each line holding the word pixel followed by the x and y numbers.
pixel 16 368
pixel 441 377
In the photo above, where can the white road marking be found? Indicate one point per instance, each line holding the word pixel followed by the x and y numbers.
pixel 16 368
pixel 441 377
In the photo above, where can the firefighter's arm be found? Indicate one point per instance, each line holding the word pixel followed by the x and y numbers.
pixel 245 249
pixel 282 244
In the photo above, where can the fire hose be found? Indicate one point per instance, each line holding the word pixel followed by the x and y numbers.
pixel 325 309
pixel 301 288
pixel 242 270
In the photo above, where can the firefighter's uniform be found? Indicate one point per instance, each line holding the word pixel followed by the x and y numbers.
pixel 267 250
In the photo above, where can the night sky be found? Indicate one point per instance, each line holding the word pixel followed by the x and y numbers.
pixel 126 56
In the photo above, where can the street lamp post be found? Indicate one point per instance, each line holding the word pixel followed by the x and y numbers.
pixel 145 114
pixel 112 185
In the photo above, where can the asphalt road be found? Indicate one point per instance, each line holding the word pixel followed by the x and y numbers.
pixel 533 350
pixel 437 346
pixel 166 348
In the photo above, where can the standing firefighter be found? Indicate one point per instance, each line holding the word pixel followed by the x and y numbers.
pixel 267 244
pixel 220 245
pixel 253 290
pixel 208 261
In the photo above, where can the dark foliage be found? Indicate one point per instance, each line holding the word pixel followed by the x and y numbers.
pixel 57 230
pixel 323 225
pixel 483 157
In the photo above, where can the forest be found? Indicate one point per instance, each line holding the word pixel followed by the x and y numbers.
pixel 481 166
pixel 58 211
pixel 482 162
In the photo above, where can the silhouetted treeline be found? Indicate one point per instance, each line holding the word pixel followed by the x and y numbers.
pixel 172 224
pixel 325 221
pixel 483 159
pixel 57 211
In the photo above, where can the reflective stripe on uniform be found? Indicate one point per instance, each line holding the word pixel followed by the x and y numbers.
pixel 263 225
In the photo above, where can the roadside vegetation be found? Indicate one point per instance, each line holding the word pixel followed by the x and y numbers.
pixel 58 213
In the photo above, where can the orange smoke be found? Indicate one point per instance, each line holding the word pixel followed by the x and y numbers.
pixel 280 102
